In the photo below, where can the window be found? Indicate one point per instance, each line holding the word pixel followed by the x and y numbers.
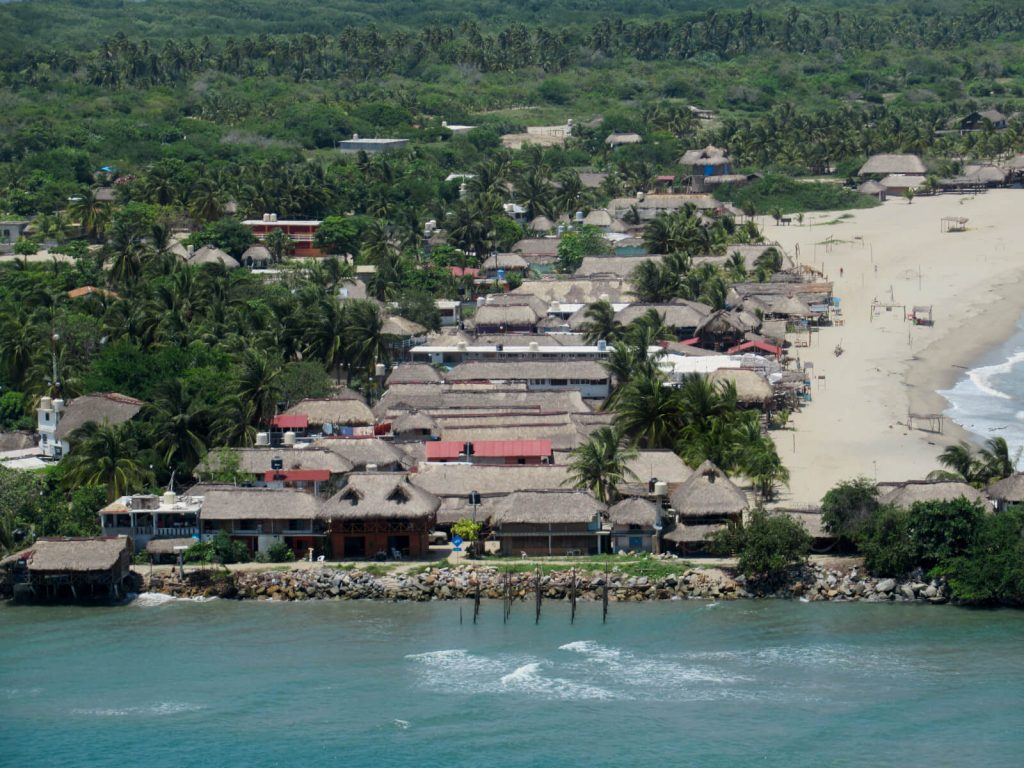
pixel 559 382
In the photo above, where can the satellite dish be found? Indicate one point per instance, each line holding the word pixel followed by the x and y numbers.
pixel 328 429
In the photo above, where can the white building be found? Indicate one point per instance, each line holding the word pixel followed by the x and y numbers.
pixel 145 516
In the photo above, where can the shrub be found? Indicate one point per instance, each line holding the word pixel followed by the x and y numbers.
pixel 765 544
pixel 279 552
pixel 992 569
pixel 942 530
pixel 845 508
pixel 884 540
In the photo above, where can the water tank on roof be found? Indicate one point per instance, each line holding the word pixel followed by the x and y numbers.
pixel 170 499
pixel 380 370
pixel 289 438
pixel 534 346
pixel 579 216
pixel 640 196
pixel 371 467
pixel 273 217
pixel 602 345
pixel 262 439
pixel 58 404
pixel 556 307
pixel 462 346
pixel 266 217
pixel 45 403
pixel 661 488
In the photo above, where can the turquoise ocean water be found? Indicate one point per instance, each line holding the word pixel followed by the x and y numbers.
pixel 363 684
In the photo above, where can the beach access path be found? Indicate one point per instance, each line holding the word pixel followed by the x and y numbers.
pixel 897 254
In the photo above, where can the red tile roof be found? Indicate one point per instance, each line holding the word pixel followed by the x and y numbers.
pixel 281 421
pixel 764 346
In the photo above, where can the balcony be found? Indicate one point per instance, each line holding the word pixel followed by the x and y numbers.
pixel 177 532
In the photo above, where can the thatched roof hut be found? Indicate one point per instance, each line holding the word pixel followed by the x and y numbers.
pixel 179 250
pixel 160 547
pixel 380 496
pixel 413 421
pixel 541 224
pixel 413 373
pixel 514 370
pixel 635 512
pixel 708 493
pixel 905 495
pixel 230 502
pixel 362 452
pixel 545 508
pixel 72 555
pixel 1009 490
pixel 348 412
pixel 498 261
pixel 506 316
pixel 16 441
pixel 722 323
pixel 676 314
pixel 447 480
pixel 751 387
pixel 210 255
pixel 256 254
pixel 99 408
pixel 598 217
pixel 887 163
pixel 709 155
pixel 619 139
pixel 401 326
pixel 691 535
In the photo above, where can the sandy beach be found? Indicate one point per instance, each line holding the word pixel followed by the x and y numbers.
pixel 897 254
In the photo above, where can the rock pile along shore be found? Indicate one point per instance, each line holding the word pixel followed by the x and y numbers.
pixel 811 583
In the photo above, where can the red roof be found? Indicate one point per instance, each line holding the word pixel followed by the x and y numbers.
pixel 292 475
pixel 449 449
pixel 764 346
pixel 281 421
pixel 463 271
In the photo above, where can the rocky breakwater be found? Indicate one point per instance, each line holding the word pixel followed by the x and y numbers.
pixel 810 583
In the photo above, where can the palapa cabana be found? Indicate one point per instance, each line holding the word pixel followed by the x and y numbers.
pixel 690 538
pixel 256 256
pixel 636 525
pixel 751 387
pixel 413 373
pixel 413 426
pixel 210 255
pixel 555 522
pixel 1008 491
pixel 540 224
pixel 721 329
pixel 380 515
pixel 338 412
pixel 69 568
pixel 905 495
pixel 709 494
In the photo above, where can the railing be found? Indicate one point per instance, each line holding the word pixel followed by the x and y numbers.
pixel 177 532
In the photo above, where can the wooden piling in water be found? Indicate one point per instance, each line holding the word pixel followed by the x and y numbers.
pixel 476 602
pixel 572 598
pixel 539 595
pixel 604 598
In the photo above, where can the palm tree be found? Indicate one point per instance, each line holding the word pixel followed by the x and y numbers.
pixel 91 213
pixel 20 342
pixel 648 412
pixel 600 323
pixel 996 460
pixel 960 462
pixel 106 455
pixel 366 343
pixel 179 425
pixel 260 384
pixel 601 463
pixel 234 425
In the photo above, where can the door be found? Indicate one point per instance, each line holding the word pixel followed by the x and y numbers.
pixel 355 546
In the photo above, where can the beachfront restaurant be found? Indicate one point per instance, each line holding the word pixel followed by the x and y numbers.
pixel 381 516
pixel 68 569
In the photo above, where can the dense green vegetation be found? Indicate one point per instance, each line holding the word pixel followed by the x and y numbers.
pixel 764 545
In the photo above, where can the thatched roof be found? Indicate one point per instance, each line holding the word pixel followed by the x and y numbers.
pixel 617 139
pixel 683 533
pixel 751 387
pixel 257 461
pixel 504 261
pixel 541 224
pixel 436 398
pixel 678 314
pixel 380 496
pixel 100 408
pixel 635 512
pixel 506 315
pixel 722 322
pixel 210 255
pixel 576 291
pixel 598 217
pixel 544 507
pixel 620 267
pixel 664 465
pixel 413 421
pixel 1009 489
pixel 537 248
pixel 515 370
pixel 413 373
pixel 338 411
pixel 363 451
pixel 229 502
pixel 708 492
pixel 166 546
pixel 256 253
pixel 78 555
pixel 810 519
pixel 1016 163
pixel 179 250
pixel 400 326
pixel 490 480
pixel 710 155
pixel 871 188
pixel 885 164
pixel 905 495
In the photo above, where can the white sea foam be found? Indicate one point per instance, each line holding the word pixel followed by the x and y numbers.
pixel 401 724
pixel 592 650
pixel 158 709
pixel 149 599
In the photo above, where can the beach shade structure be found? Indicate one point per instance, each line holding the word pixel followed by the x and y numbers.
pixel 690 537
pixel 210 255
pixel 506 261
pixel 905 495
pixel 874 189
pixel 708 493
pixel 791 306
pixel 540 224
pixel 1009 490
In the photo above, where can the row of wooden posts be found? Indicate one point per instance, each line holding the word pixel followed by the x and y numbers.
pixel 508 598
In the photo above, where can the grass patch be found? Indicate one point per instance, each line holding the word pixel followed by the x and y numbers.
pixel 620 564
pixel 788 195
pixel 373 569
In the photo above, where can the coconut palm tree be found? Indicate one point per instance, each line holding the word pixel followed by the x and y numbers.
pixel 179 425
pixel 647 412
pixel 260 384
pixel 600 323
pixel 106 455
pixel 601 463
pixel 365 340
pixel 960 462
pixel 234 425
